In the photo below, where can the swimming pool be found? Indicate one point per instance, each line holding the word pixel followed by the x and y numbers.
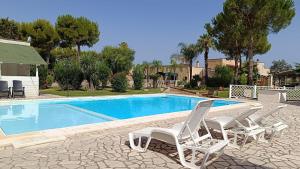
pixel 21 117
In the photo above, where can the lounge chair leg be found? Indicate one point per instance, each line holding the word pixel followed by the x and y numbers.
pixel 244 142
pixel 138 147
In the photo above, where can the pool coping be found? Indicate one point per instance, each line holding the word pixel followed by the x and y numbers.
pixel 60 134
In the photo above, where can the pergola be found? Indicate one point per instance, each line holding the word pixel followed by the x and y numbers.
pixel 16 59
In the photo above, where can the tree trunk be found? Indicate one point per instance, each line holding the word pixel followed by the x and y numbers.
pixel 78 53
pixel 147 74
pixel 191 69
pixel 241 63
pixel 250 62
pixel 206 65
pixel 236 69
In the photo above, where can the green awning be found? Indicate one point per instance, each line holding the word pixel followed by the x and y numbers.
pixel 19 54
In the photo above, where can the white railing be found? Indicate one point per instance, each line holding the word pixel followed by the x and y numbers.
pixel 242 91
pixel 247 91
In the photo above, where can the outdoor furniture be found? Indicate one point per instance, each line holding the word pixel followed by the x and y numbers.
pixel 185 136
pixel 228 124
pixel 4 89
pixel 273 126
pixel 18 89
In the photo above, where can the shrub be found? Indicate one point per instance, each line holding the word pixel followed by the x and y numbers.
pixel 193 83
pixel 68 75
pixel 223 77
pixel 49 80
pixel 103 72
pixel 89 70
pixel 154 79
pixel 138 77
pixel 119 82
pixel 243 79
pixel 43 72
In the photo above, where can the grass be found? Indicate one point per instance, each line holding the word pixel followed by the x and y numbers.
pixel 221 93
pixel 103 92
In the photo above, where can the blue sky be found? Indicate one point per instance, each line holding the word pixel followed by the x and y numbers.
pixel 153 28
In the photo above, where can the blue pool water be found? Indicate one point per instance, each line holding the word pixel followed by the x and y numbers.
pixel 42 115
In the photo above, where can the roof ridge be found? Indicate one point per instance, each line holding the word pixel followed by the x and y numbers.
pixel 14 42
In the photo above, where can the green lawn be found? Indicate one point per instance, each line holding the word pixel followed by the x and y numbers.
pixel 221 93
pixel 103 92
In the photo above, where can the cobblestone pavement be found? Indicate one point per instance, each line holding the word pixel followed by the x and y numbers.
pixel 109 149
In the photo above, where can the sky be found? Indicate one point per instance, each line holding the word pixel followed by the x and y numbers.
pixel 153 28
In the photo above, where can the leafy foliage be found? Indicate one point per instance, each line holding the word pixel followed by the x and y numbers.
pixel 103 73
pixel 251 22
pixel 193 84
pixel 243 79
pixel 63 53
pixel 89 70
pixel 279 66
pixel 222 78
pixel 205 42
pixel 43 72
pixel 119 82
pixel 157 65
pixel 154 78
pixel 9 29
pixel 138 77
pixel 77 31
pixel 68 75
pixel 118 59
pixel 188 52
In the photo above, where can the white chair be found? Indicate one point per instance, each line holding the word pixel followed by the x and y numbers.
pixel 274 126
pixel 185 136
pixel 228 124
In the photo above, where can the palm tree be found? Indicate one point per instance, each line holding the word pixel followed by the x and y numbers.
pixel 173 67
pixel 205 42
pixel 147 66
pixel 157 64
pixel 189 52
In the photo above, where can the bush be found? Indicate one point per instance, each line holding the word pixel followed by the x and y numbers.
pixel 193 83
pixel 223 77
pixel 154 79
pixel 68 75
pixel 243 79
pixel 49 80
pixel 103 72
pixel 119 82
pixel 89 70
pixel 138 77
pixel 43 73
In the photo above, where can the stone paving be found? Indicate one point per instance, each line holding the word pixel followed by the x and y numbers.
pixel 109 149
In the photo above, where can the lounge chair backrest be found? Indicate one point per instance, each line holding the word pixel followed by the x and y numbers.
pixel 192 123
pixel 258 119
pixel 17 85
pixel 3 85
pixel 243 116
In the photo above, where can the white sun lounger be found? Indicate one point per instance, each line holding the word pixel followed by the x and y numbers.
pixel 185 136
pixel 276 126
pixel 228 124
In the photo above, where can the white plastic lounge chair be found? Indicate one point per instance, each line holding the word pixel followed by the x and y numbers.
pixel 274 127
pixel 185 136
pixel 228 124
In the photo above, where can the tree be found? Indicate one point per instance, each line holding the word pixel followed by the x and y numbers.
pixel 119 82
pixel 118 59
pixel 259 18
pixel 89 70
pixel 138 77
pixel 146 65
pixel 77 32
pixel 64 54
pixel 173 67
pixel 279 66
pixel 157 65
pixel 189 52
pixel 297 65
pixel 43 37
pixel 9 29
pixel 205 42
pixel 103 73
